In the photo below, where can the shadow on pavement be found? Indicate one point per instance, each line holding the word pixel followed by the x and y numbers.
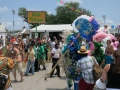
pixel 63 78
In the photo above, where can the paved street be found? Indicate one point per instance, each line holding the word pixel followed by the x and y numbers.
pixel 37 81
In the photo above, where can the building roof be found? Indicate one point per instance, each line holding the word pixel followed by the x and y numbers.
pixel 52 28
pixel 25 31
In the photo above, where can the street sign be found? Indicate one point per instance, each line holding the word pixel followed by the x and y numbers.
pixel 35 16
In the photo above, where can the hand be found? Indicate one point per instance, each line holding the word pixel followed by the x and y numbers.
pixel 32 60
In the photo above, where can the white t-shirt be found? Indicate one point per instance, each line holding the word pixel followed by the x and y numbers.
pixel 24 40
pixel 56 52
pixel 53 44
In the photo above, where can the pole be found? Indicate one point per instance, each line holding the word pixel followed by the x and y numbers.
pixel 13 11
pixel 104 21
pixel 36 32
pixel 104 16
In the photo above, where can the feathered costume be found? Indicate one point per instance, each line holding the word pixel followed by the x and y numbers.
pixel 85 27
pixel 98 53
pixel 71 57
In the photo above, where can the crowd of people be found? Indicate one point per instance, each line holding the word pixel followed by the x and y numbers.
pixel 34 52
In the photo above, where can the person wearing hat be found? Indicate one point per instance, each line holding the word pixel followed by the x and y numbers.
pixel 18 66
pixel 85 65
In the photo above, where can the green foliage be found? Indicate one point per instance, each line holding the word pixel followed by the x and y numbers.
pixel 66 16
pixel 22 12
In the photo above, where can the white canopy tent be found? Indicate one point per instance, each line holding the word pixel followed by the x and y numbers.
pixel 41 28
pixel 52 28
pixel 25 31
pixel 3 33
pixel 2 28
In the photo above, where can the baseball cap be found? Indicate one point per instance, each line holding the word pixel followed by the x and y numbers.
pixel 15 42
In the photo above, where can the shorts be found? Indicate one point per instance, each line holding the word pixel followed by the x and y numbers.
pixel 18 67
pixel 41 62
pixel 10 88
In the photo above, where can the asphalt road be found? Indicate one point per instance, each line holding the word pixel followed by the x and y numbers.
pixel 38 82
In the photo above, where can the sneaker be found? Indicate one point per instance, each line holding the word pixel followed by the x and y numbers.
pixel 59 76
pixel 21 80
pixel 15 81
pixel 44 68
pixel 25 75
pixel 50 76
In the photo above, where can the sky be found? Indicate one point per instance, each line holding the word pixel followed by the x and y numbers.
pixel 109 8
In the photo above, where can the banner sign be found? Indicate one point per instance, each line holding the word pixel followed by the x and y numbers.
pixel 71 7
pixel 35 16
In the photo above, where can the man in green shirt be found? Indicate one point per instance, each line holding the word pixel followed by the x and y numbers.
pixel 41 56
pixel 46 49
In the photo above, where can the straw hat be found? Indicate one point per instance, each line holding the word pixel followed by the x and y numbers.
pixel 100 84
pixel 83 50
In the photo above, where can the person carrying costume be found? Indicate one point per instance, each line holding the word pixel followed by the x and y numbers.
pixel 6 65
pixel 55 57
pixel 70 59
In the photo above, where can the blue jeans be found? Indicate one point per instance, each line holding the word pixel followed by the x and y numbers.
pixel 28 67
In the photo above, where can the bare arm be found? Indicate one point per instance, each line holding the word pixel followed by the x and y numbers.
pixel 18 58
pixel 103 62
pixel 104 72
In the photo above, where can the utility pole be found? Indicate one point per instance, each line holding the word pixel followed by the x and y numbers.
pixel 13 11
pixel 104 17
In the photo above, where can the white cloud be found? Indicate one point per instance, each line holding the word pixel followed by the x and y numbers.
pixel 19 19
pixel 3 9
pixel 110 21
pixel 18 23
pixel 7 24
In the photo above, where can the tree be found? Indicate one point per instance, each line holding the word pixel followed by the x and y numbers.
pixel 22 12
pixel 66 16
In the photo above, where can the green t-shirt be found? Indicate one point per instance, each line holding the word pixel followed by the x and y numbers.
pixel 41 52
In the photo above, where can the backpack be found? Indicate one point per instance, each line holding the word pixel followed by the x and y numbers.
pixel 3 81
pixel 97 70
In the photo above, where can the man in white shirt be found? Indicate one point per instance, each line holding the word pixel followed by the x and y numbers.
pixel 24 41
pixel 53 44
pixel 55 57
